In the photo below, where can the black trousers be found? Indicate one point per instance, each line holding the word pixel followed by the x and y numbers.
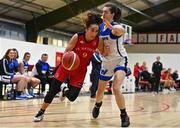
pixel 137 82
pixel 44 80
pixel 157 83
pixel 94 78
pixel 55 87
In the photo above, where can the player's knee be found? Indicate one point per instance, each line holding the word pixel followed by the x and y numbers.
pixel 116 90
pixel 72 98
pixel 49 97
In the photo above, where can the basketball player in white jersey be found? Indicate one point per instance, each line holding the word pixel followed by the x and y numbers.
pixel 114 63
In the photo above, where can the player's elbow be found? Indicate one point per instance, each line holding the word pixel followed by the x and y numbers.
pixel 118 30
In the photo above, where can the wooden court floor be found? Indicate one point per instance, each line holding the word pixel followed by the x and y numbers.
pixel 144 109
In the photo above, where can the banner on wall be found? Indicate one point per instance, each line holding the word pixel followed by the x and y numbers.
pixel 162 38
pixel 178 37
pixel 151 38
pixel 134 38
pixel 58 58
pixel 172 37
pixel 143 38
pixel 159 37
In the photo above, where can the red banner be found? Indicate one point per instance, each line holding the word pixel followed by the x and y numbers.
pixel 58 57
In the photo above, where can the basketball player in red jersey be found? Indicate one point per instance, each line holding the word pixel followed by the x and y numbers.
pixel 84 45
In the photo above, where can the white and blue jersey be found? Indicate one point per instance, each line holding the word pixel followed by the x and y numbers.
pixel 117 58
pixel 26 66
pixel 6 70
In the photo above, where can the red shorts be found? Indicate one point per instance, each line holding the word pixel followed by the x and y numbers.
pixel 76 77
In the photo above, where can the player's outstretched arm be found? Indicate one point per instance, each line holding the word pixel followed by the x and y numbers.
pixel 116 30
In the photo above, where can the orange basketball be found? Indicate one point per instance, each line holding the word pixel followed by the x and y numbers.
pixel 70 60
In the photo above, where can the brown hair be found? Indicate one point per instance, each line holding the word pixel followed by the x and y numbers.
pixel 26 53
pixel 92 18
pixel 14 49
pixel 115 10
pixel 7 53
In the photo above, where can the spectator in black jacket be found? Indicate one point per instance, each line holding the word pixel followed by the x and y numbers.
pixel 156 69
pixel 175 77
pixel 42 71
pixel 146 76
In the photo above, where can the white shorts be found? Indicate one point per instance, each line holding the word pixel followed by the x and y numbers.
pixel 110 67
pixel 5 78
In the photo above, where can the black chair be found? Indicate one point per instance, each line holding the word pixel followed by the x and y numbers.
pixel 3 91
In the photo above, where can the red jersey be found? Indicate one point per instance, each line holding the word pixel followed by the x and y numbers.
pixel 142 68
pixel 166 76
pixel 136 71
pixel 85 49
pixel 85 52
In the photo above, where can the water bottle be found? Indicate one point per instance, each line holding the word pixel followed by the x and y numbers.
pixel 5 95
pixel 8 95
pixel 12 94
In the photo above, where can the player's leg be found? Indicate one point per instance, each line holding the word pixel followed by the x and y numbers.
pixel 55 88
pixel 71 93
pixel 99 97
pixel 94 81
pixel 75 83
pixel 105 76
pixel 118 79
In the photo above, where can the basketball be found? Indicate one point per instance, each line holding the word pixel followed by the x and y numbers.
pixel 70 60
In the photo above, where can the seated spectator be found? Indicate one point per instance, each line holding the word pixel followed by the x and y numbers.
pixel 8 76
pixel 141 68
pixel 42 71
pixel 147 79
pixel 175 77
pixel 30 87
pixel 32 81
pixel 15 61
pixel 26 58
pixel 167 80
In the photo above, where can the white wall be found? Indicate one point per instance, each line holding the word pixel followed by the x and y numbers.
pixel 168 60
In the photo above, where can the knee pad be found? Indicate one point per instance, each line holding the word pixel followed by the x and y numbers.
pixel 49 98
pixel 71 98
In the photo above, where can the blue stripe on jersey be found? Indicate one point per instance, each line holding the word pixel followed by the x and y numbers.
pixel 128 71
pixel 113 36
pixel 105 78
pixel 107 31
pixel 97 57
pixel 122 68
pixel 104 32
pixel 118 48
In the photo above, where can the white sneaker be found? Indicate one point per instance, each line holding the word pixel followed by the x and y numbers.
pixel 172 89
pixel 63 86
pixel 39 117
pixel 28 95
pixel 62 97
pixel 63 89
pixel 165 91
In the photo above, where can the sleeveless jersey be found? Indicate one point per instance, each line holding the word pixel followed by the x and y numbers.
pixel 115 42
pixel 85 49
